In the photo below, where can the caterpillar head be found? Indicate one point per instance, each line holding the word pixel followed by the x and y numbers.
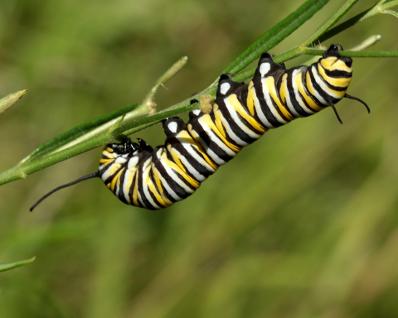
pixel 331 57
pixel 127 147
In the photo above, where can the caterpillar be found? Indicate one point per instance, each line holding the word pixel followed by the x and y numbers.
pixel 155 178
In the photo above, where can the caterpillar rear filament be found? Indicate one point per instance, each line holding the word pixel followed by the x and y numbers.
pixel 155 178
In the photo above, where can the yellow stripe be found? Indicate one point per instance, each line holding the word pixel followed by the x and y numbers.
pixel 108 154
pixel 159 186
pixel 250 98
pixel 332 63
pixel 283 89
pixel 115 180
pixel 311 88
pixel 309 101
pixel 105 160
pixel 112 169
pixel 207 119
pixel 158 197
pixel 198 147
pixel 184 137
pixel 233 99
pixel 153 189
pixel 335 81
pixel 218 122
pixel 176 158
pixel 173 166
pixel 270 81
pixel 135 190
pixel 129 175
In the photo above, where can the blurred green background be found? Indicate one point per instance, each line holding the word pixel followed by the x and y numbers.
pixel 302 224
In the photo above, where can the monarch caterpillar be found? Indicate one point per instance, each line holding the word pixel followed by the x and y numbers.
pixel 155 178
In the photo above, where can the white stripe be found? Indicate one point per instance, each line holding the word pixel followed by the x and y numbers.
pixel 259 110
pixel 169 190
pixel 231 134
pixel 189 148
pixel 322 84
pixel 166 186
pixel 215 138
pixel 207 149
pixel 238 121
pixel 145 185
pixel 289 103
pixel 175 177
pixel 130 171
pixel 269 102
pixel 133 161
pixel 126 185
pixel 110 171
pixel 297 92
pixel 319 97
pixel 197 175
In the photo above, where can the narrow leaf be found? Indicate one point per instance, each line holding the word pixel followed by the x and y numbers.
pixel 346 6
pixel 276 34
pixel 9 266
pixel 9 100
pixel 76 132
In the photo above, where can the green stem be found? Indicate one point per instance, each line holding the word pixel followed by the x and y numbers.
pixel 138 119
pixel 312 51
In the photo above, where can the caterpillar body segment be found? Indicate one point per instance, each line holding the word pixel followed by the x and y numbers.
pixel 155 178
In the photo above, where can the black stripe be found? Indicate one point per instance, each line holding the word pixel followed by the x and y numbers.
pixel 150 174
pixel 263 104
pixel 208 143
pixel 178 145
pixel 120 194
pixel 328 98
pixel 173 142
pixel 110 178
pixel 131 189
pixel 246 110
pixel 178 174
pixel 336 88
pixel 173 185
pixel 242 94
pixel 227 136
pixel 338 73
pixel 296 105
pixel 234 126
pixel 317 101
pixel 144 201
pixel 277 107
pixel 168 195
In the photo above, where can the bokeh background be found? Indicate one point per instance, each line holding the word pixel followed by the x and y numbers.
pixel 302 224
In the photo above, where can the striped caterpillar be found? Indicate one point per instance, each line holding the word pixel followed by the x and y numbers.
pixel 155 178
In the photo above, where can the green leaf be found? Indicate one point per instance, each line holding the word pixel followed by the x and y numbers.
pixel 77 132
pixel 91 135
pixel 275 35
pixel 343 26
pixel 9 266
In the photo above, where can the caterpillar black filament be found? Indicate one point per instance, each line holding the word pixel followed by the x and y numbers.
pixel 155 178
